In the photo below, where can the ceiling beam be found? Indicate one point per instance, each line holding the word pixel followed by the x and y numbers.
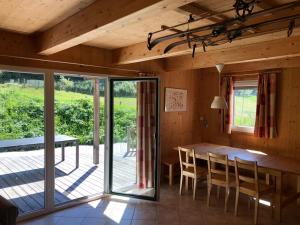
pixel 139 52
pixel 19 50
pixel 285 62
pixel 276 49
pixel 99 18
pixel 23 46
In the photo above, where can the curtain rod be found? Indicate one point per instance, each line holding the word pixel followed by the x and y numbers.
pixel 251 73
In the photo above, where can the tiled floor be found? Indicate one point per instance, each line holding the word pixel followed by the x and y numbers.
pixel 172 209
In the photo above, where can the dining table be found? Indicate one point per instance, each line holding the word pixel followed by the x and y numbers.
pixel 271 165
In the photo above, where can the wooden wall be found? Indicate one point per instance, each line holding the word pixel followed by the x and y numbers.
pixel 288 108
pixel 179 128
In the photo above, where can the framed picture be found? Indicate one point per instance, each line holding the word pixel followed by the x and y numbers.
pixel 175 100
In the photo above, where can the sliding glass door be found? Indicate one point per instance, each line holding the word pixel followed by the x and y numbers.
pixel 79 137
pixel 133 131
pixel 76 165
pixel 22 155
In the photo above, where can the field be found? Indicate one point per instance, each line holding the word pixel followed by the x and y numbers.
pixel 245 110
pixel 22 110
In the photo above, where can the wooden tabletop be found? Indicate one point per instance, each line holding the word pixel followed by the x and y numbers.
pixel 264 160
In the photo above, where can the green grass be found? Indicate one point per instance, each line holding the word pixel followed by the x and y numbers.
pixel 245 110
pixel 37 94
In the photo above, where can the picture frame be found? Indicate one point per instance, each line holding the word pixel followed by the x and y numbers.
pixel 175 100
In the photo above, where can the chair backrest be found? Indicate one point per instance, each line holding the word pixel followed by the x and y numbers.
pixel 217 159
pixel 184 158
pixel 250 169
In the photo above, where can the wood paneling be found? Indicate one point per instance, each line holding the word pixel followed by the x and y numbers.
pixel 257 51
pixel 202 85
pixel 179 128
pixel 99 18
pixel 27 16
pixel 270 45
pixel 288 108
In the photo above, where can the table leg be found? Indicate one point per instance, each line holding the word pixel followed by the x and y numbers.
pixel 278 198
pixel 77 154
pixel 63 152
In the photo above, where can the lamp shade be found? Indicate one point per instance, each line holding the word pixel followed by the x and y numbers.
pixel 219 103
pixel 220 67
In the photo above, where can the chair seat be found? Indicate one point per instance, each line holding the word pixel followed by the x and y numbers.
pixel 219 179
pixel 201 172
pixel 248 187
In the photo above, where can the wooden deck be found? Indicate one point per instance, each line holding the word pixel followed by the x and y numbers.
pixel 22 175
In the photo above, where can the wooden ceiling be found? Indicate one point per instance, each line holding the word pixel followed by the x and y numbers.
pixel 121 26
pixel 29 16
pixel 137 31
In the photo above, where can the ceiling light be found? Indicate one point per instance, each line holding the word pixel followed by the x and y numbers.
pixel 219 101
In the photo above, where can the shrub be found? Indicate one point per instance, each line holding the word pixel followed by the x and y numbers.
pixel 22 116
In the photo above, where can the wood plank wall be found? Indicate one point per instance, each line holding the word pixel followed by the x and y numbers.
pixel 179 128
pixel 288 108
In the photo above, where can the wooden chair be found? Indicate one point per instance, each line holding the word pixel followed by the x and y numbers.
pixel 171 163
pixel 248 184
pixel 188 169
pixel 220 176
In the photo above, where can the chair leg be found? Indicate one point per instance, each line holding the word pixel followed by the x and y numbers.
pixel 226 197
pixel 218 192
pixel 208 193
pixel 249 203
pixel 194 188
pixel 181 181
pixel 256 209
pixel 170 175
pixel 237 194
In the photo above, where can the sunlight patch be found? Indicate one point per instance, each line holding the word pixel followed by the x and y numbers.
pixel 256 152
pixel 115 211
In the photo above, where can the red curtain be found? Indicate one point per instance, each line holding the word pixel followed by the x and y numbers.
pixel 265 123
pixel 227 114
pixel 146 128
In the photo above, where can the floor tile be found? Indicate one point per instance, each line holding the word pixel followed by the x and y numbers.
pixel 69 221
pixel 172 209
pixel 144 222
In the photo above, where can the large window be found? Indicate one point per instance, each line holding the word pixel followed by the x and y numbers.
pixel 22 174
pixel 244 102
pixel 54 145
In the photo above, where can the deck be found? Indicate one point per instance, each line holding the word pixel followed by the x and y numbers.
pixel 22 175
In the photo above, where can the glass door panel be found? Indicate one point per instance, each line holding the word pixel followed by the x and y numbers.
pixel 133 144
pixel 22 155
pixel 79 140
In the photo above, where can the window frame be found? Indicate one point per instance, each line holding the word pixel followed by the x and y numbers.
pixel 243 84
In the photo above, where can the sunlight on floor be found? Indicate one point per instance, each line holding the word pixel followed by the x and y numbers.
pixel 115 211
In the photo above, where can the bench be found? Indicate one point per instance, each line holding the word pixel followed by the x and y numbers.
pixel 27 143
pixel 170 163
pixel 8 212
